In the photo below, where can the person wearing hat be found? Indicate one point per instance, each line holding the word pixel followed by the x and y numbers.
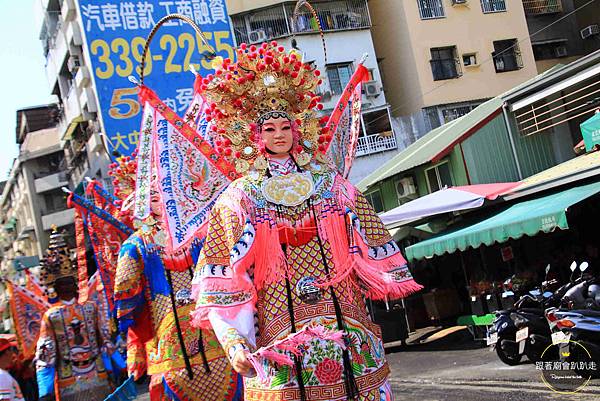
pixel 69 352
pixel 21 369
pixel 9 388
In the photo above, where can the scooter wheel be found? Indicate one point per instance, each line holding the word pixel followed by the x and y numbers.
pixel 533 355
pixel 507 354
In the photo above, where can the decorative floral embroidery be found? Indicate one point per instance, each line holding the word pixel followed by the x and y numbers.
pixel 328 371
pixel 224 299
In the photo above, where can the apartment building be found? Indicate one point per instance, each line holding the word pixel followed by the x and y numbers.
pixel 32 200
pixel 347 34
pixel 562 30
pixel 442 58
pixel 68 75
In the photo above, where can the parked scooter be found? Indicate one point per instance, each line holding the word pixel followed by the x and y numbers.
pixel 577 332
pixel 585 294
pixel 523 330
pixel 575 326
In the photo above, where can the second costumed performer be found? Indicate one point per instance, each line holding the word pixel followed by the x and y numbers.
pixel 291 244
pixel 152 298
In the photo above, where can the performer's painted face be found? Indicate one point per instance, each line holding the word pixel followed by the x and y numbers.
pixel 277 135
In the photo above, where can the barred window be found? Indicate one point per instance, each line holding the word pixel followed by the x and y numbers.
pixel 339 76
pixel 429 9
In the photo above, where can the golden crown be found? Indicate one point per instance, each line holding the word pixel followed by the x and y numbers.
pixel 56 262
pixel 265 82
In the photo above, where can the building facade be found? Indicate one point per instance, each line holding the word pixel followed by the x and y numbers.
pixel 509 138
pixel 347 34
pixel 68 74
pixel 442 58
pixel 574 30
pixel 32 200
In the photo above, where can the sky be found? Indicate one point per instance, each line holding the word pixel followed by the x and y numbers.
pixel 22 75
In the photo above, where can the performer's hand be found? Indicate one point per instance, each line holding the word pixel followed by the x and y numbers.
pixel 242 365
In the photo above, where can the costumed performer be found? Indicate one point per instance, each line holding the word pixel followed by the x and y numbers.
pixel 291 244
pixel 153 302
pixel 69 353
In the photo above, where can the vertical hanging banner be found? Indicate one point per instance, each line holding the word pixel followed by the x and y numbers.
pixel 115 33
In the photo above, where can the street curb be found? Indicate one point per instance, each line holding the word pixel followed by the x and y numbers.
pixel 497 385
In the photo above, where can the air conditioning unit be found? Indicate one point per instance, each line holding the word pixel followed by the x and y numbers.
pixel 561 51
pixel 458 2
pixel 257 36
pixel 73 64
pixel 590 31
pixel 372 88
pixel 405 187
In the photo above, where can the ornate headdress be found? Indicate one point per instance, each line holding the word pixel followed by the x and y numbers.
pixel 56 262
pixel 123 173
pixel 264 83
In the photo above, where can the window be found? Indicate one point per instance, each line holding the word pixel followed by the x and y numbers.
pixel 542 7
pixel 439 177
pixel 507 56
pixel 493 6
pixel 378 135
pixel 377 123
pixel 444 63
pixel 375 200
pixel 339 76
pixel 454 111
pixel 470 59
pixel 435 116
pixel 55 201
pixel 332 15
pixel 550 49
pixel 276 21
pixel 429 9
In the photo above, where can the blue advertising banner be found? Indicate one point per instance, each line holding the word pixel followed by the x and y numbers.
pixel 115 35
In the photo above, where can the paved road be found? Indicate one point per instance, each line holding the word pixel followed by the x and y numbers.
pixel 456 368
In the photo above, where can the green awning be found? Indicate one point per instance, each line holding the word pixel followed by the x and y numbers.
pixel 526 218
pixel 590 130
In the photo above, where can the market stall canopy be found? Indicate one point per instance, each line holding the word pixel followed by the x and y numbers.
pixel 590 130
pixel 577 169
pixel 544 214
pixel 444 201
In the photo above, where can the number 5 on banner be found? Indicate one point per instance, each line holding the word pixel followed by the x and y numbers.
pixel 219 36
pixel 122 107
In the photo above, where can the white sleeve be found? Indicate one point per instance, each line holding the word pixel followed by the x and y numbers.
pixel 234 334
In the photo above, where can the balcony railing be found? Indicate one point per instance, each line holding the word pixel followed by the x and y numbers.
pixel 51 182
pixel 60 219
pixel 375 143
pixel 493 6
pixel 541 7
pixel 276 21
